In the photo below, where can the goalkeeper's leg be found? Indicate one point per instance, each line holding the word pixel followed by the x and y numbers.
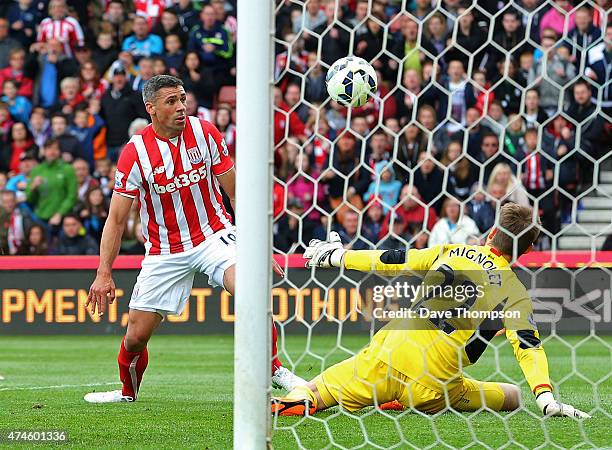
pixel 473 395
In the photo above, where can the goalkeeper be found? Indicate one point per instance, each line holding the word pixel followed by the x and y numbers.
pixel 417 362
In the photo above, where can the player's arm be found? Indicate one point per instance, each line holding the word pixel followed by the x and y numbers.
pixel 227 180
pixel 103 287
pixel 331 253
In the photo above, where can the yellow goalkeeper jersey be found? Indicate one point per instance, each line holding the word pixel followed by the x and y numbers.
pixel 467 294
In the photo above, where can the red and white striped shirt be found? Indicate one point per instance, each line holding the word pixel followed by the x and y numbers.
pixel 176 185
pixel 68 31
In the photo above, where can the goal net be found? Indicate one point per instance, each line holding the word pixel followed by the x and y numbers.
pixel 478 104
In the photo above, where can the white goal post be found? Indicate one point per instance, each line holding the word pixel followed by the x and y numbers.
pixel 254 221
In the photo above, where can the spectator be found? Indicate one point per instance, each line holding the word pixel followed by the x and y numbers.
pixel 19 106
pixel 315 90
pixel 214 45
pixel 61 27
pixel 496 120
pixel 372 222
pixel 482 208
pixel 583 36
pixel 174 54
pixel 226 17
pixel 286 123
pixel 508 37
pixel 85 182
pixel 70 98
pixel 428 179
pixel 115 23
pixel 21 142
pixel 461 177
pixel 169 24
pixel 453 227
pixel 293 99
pixel 513 190
pixel 287 238
pixel 422 8
pixel 69 145
pixel 105 52
pixel 384 187
pixel 559 71
pixel 23 18
pixel 198 79
pixel 145 73
pixel 461 98
pixel 555 20
pixel 491 156
pixel 137 248
pixel 73 239
pixel 187 15
pixel 18 183
pixel 537 176
pixel 482 91
pixel 93 211
pixel 52 190
pixel 7 43
pixel 40 126
pixel 314 17
pixel 508 93
pixel 599 60
pixel 407 48
pixel 6 123
pixel 412 211
pixel 476 130
pixel 534 114
pixel 92 85
pixel 349 232
pixel 378 150
pixel 514 137
pixel 142 43
pixel 411 143
pixel 437 137
pixel 118 111
pixel 560 145
pixel 346 179
pixel 104 176
pixel 302 187
pixel 371 42
pixel 35 242
pixel 152 10
pixel 137 125
pixel 55 66
pixel 335 41
pixel 25 85
pixel 470 36
pixel 14 221
pixel 225 124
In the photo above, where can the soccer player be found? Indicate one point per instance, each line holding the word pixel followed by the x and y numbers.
pixel 175 167
pixel 417 362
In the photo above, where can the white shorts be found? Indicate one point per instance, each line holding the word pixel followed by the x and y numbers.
pixel 165 281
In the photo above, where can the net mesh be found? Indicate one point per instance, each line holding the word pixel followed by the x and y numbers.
pixel 479 103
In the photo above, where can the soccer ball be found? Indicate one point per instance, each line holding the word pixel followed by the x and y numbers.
pixel 350 81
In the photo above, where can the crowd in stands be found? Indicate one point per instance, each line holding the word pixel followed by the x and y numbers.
pixel 476 106
pixel 448 138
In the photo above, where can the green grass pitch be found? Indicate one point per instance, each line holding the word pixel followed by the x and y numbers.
pixel 186 397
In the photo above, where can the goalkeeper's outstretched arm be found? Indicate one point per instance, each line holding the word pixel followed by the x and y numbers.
pixel 531 357
pixel 331 253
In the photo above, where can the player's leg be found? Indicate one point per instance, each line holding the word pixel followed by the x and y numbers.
pixel 133 355
pixel 218 262
pixel 475 395
pixel 163 287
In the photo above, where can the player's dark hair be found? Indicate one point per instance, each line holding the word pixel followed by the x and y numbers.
pixel 152 86
pixel 516 222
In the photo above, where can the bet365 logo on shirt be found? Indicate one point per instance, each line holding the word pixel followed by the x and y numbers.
pixel 180 181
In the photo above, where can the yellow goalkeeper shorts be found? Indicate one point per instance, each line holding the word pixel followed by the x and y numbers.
pixel 364 380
